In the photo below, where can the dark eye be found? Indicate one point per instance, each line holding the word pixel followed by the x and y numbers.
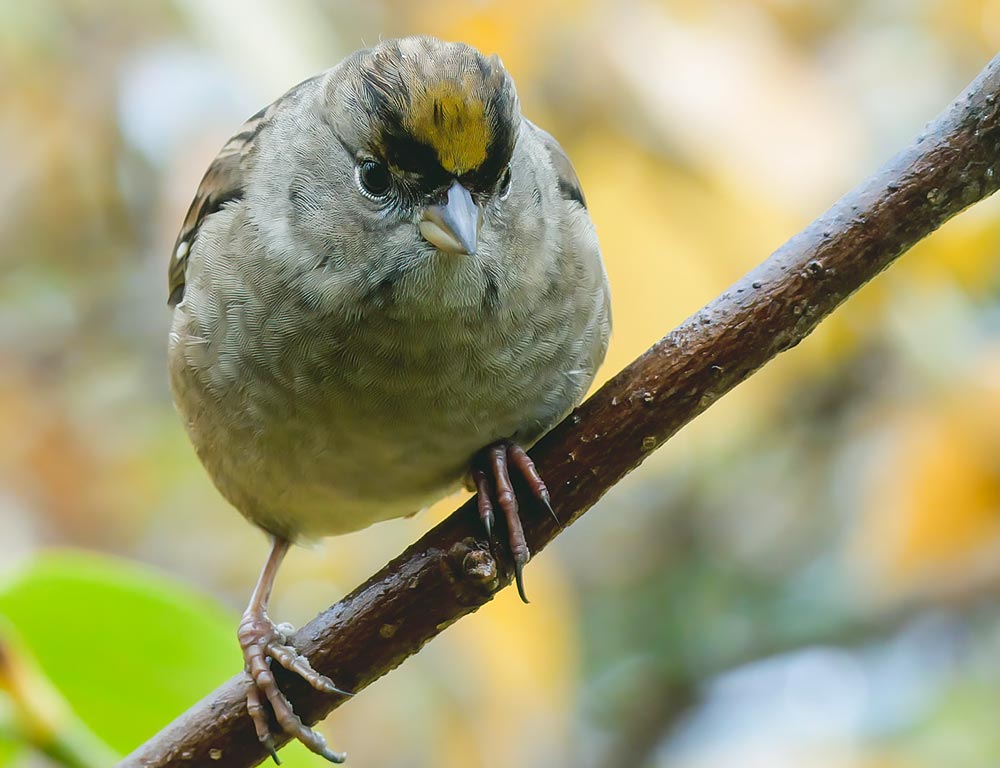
pixel 373 178
pixel 504 188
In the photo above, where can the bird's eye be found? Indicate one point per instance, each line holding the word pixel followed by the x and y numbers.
pixel 504 188
pixel 373 178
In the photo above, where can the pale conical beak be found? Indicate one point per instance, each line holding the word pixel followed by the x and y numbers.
pixel 454 226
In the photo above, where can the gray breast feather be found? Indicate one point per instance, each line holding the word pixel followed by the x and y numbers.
pixel 322 399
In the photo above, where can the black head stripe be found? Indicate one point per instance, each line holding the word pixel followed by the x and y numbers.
pixel 431 104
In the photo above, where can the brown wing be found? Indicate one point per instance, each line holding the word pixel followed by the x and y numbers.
pixel 569 182
pixel 222 183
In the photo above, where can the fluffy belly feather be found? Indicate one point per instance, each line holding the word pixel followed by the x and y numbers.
pixel 348 426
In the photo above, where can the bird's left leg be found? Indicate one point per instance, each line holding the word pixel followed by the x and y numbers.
pixel 491 478
pixel 262 641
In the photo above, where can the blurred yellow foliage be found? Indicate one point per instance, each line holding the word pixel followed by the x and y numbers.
pixel 930 522
pixel 522 32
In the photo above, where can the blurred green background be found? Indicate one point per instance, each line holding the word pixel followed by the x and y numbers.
pixel 807 576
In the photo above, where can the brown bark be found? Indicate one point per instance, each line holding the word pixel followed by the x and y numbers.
pixel 450 572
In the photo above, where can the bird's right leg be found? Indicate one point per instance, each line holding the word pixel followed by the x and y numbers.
pixel 262 641
pixel 491 479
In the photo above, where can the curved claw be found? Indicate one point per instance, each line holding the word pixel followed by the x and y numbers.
pixel 547 503
pixel 519 580
pixel 295 662
pixel 262 641
pixel 259 718
pixel 290 722
pixel 481 484
pixel 522 461
pixel 491 477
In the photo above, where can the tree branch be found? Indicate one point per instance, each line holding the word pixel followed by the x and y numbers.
pixel 450 572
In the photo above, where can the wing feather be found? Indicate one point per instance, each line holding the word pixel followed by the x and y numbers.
pixel 224 182
pixel 569 182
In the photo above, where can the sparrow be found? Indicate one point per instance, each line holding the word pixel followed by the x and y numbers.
pixel 388 283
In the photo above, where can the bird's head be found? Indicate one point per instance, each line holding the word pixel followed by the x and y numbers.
pixel 434 130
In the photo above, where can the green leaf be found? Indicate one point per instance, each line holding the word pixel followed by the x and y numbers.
pixel 9 746
pixel 128 648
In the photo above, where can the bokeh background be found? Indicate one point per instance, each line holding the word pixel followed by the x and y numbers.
pixel 807 576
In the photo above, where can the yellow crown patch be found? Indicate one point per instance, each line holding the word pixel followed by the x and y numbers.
pixel 451 119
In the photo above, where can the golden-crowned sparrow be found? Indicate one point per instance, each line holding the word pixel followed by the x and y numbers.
pixel 387 282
